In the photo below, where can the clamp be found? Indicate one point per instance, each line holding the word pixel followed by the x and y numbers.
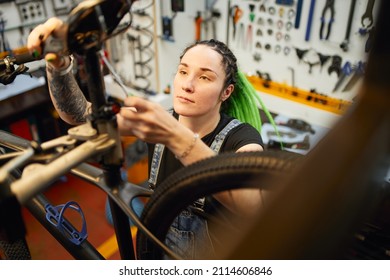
pixel 329 6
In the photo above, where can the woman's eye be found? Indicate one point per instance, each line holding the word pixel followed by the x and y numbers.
pixel 204 78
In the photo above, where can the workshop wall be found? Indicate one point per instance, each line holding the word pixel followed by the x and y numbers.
pixel 280 40
pixel 19 17
pixel 283 42
pixel 267 41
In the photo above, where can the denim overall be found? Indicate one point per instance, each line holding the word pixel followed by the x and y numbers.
pixel 188 235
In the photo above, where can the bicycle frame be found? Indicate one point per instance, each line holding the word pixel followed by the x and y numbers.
pixel 97 140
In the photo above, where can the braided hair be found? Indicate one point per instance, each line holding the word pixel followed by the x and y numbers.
pixel 244 102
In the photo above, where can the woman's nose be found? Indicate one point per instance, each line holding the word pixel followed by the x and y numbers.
pixel 188 85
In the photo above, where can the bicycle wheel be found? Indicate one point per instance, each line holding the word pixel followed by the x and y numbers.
pixel 227 171
pixel 17 250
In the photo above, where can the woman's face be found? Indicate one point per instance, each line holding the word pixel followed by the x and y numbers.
pixel 198 83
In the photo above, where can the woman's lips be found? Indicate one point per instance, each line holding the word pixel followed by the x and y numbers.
pixel 182 98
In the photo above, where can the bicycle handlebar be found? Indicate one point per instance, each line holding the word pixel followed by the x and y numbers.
pixel 17 59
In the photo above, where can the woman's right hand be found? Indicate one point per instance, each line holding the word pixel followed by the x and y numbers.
pixel 36 40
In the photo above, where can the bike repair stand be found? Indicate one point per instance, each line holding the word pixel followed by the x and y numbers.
pixel 103 117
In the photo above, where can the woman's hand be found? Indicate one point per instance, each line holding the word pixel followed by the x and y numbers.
pixel 151 123
pixel 147 120
pixel 37 37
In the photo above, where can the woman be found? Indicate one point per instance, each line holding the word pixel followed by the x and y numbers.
pixel 209 92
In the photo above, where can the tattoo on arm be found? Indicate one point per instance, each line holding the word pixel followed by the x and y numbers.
pixel 68 97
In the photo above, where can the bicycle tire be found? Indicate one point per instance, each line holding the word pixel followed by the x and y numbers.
pixel 17 250
pixel 224 172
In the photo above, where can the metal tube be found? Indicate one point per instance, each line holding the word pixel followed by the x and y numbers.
pixel 24 190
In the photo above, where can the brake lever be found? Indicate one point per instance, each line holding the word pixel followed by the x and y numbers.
pixel 9 75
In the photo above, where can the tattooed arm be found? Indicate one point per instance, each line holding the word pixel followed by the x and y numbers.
pixel 66 95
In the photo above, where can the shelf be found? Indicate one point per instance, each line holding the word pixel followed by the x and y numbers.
pixel 313 99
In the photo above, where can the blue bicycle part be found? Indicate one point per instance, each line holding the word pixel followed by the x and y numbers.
pixel 55 215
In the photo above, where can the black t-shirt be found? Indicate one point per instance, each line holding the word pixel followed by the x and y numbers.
pixel 239 136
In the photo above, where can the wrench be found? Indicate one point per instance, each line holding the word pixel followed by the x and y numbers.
pixel 367 19
pixel 345 44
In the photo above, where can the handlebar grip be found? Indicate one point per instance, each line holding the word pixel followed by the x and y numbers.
pixel 9 61
pixel 23 58
pixel 52 45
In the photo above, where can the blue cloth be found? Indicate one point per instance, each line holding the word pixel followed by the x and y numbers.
pixel 189 237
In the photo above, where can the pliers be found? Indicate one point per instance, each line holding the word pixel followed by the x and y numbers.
pixel 329 6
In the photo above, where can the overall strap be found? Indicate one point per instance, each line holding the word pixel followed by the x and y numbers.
pixel 159 149
pixel 155 165
pixel 218 141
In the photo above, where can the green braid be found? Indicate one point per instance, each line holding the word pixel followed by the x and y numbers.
pixel 244 103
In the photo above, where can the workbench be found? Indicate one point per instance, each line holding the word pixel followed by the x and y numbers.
pixel 26 108
pixel 23 94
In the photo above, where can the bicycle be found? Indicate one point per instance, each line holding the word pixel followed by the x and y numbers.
pixel 98 140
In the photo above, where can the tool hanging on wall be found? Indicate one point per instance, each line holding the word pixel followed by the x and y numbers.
pixel 358 72
pixel 249 30
pixel 345 72
pixel 285 2
pixel 368 44
pixel 367 24
pixel 367 18
pixel 4 45
pixel 211 15
pixel 236 14
pixel 298 14
pixel 240 35
pixel 328 8
pixel 323 59
pixel 203 23
pixel 198 26
pixel 176 6
pixel 335 65
pixel 215 16
pixel 249 37
pixel 141 39
pixel 345 44
pixel 310 20
pixel 252 13
pixel 311 58
pixel 167 28
pixel 300 53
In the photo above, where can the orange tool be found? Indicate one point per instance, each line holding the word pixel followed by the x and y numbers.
pixel 198 26
pixel 236 15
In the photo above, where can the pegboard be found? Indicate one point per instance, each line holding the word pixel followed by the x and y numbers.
pixel 285 42
pixel 62 7
pixel 31 11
